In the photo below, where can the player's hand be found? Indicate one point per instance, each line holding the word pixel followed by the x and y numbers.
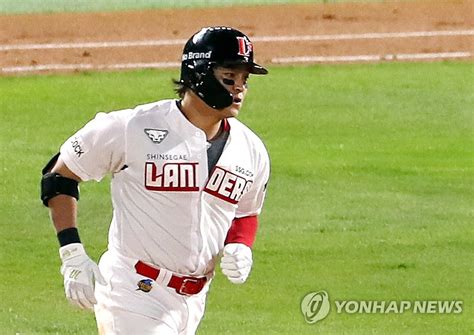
pixel 236 262
pixel 79 273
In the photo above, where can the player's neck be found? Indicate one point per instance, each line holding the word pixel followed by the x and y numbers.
pixel 201 115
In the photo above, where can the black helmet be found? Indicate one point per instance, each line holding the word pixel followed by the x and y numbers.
pixel 210 47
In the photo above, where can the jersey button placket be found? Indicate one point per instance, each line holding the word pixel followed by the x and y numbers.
pixel 200 155
pixel 200 135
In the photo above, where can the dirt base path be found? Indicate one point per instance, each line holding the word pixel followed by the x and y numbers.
pixel 306 33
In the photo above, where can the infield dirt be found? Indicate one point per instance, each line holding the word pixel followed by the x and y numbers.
pixel 275 20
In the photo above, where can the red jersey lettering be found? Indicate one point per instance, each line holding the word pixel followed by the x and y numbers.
pixel 227 186
pixel 175 177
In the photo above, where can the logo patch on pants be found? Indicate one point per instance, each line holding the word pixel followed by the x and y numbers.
pixel 145 285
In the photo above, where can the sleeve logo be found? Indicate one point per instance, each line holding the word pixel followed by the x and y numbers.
pixel 76 146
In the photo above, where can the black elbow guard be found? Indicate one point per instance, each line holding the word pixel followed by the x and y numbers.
pixel 53 184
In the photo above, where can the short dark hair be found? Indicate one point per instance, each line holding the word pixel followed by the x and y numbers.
pixel 180 88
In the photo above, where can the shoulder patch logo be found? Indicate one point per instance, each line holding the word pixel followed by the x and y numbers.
pixel 156 135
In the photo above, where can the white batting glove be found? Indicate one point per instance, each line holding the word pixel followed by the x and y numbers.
pixel 79 273
pixel 236 262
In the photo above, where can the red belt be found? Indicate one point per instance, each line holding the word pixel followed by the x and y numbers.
pixel 183 285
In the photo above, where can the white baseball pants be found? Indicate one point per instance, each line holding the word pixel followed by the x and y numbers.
pixel 123 309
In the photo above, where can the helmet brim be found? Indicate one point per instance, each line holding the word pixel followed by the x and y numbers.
pixel 257 69
pixel 252 67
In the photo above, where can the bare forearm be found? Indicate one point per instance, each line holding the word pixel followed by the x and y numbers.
pixel 63 212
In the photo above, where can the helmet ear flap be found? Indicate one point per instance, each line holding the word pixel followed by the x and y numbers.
pixel 201 69
pixel 211 91
pixel 189 73
pixel 199 76
pixel 192 73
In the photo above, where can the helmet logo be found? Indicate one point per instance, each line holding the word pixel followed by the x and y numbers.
pixel 245 46
pixel 197 55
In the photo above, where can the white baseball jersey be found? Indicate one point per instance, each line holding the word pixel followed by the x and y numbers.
pixel 167 209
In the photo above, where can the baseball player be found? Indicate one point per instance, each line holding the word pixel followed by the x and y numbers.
pixel 188 182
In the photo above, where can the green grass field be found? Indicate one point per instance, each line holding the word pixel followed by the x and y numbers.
pixel 370 198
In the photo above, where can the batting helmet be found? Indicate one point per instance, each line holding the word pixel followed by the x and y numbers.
pixel 210 47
